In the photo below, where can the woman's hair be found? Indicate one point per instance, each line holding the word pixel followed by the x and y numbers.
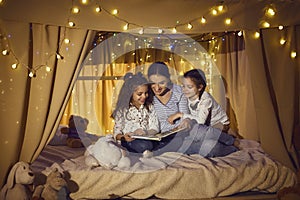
pixel 198 77
pixel 159 68
pixel 131 82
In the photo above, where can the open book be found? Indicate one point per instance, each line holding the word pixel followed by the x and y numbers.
pixel 158 136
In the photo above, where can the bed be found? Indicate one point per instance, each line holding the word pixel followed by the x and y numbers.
pixel 182 176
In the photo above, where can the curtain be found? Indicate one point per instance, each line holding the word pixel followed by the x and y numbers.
pixel 275 87
pixel 32 107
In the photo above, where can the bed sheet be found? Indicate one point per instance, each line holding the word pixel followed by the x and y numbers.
pixel 171 176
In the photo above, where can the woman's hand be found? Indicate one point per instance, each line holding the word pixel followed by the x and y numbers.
pixel 172 118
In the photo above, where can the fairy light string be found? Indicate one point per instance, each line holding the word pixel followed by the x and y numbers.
pixel 220 8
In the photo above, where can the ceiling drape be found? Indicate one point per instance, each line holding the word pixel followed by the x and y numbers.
pixel 32 107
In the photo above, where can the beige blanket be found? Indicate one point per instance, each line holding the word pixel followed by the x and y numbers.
pixel 176 176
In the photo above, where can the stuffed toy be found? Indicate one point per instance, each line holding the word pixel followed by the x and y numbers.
pixel 107 153
pixel 18 183
pixel 55 188
pixel 76 131
pixel 290 193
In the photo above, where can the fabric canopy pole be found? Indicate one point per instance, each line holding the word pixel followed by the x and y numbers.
pixel 43 98
pixel 273 78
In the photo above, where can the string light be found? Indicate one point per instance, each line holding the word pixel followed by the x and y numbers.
pixel 114 12
pixel 282 41
pixel 227 21
pixel 75 10
pixel 293 54
pixel 98 9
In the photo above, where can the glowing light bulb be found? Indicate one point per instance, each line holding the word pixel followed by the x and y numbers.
pixel 71 24
pixel 48 69
pixel 98 9
pixel 282 41
pixel 125 27
pixel 270 12
pixel 220 8
pixel 266 24
pixel 14 66
pixel 160 31
pixel 141 31
pixel 293 54
pixel 5 52
pixel 189 26
pixel 280 27
pixel 214 12
pixel 174 30
pixel 203 20
pixel 84 1
pixel 66 41
pixel 75 10
pixel 227 21
pixel 115 11
pixel 256 34
pixel 240 33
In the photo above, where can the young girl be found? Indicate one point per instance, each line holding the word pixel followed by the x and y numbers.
pixel 203 107
pixel 134 114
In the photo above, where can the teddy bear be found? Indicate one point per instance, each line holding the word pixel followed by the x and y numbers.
pixel 55 188
pixel 18 183
pixel 76 132
pixel 107 153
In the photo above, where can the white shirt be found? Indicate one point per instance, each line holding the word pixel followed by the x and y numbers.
pixel 130 119
pixel 206 111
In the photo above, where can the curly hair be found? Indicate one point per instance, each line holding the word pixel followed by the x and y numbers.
pixel 131 82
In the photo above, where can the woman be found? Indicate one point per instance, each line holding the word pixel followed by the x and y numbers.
pixel 167 99
pixel 134 114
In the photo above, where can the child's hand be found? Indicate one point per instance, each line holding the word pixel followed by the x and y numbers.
pixel 139 132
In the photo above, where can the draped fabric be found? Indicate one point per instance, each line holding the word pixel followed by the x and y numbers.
pixel 32 107
pixel 261 82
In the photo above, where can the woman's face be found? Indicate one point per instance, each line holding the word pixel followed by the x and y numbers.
pixel 139 96
pixel 159 84
pixel 190 89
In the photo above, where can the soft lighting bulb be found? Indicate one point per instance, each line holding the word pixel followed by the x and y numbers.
pixel 256 34
pixel 240 33
pixel 160 31
pixel 280 27
pixel 14 66
pixel 98 9
pixel 174 30
pixel 282 41
pixel 293 54
pixel 220 8
pixel 228 21
pixel 71 24
pixel 66 41
pixel 5 52
pixel 31 74
pixel 266 25
pixel 75 10
pixel 115 11
pixel 214 12
pixel 125 27
pixel 141 31
pixel 48 69
pixel 189 26
pixel 84 1
pixel 270 12
pixel 203 20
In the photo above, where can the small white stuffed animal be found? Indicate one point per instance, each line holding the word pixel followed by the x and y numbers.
pixel 16 187
pixel 107 153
